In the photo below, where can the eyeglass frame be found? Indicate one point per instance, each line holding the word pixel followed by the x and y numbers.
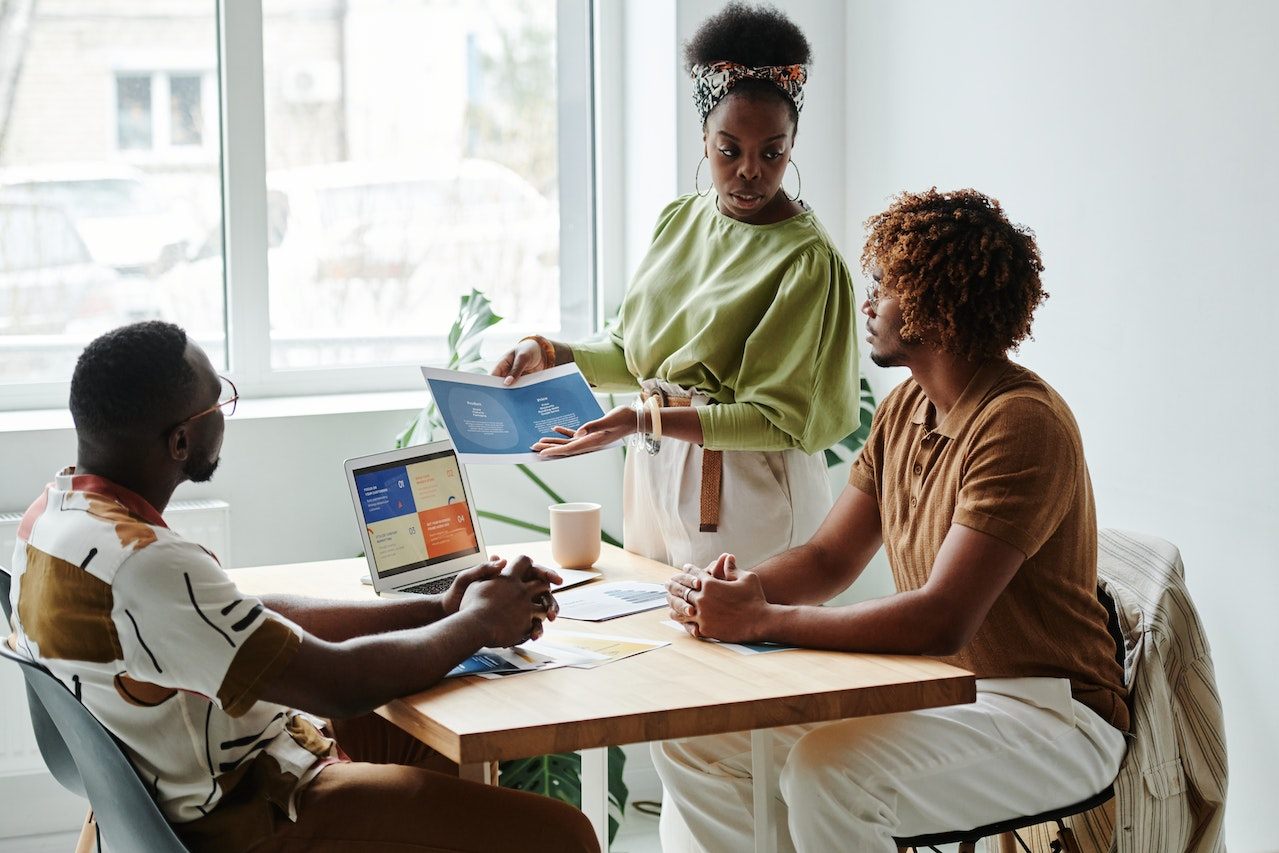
pixel 231 401
pixel 872 295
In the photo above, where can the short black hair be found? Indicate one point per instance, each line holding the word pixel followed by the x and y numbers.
pixel 752 36
pixel 132 379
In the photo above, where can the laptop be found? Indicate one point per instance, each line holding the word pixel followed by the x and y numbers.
pixel 417 520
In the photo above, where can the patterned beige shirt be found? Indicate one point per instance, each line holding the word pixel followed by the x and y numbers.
pixel 152 636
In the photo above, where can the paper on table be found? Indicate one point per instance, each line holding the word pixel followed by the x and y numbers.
pixel 600 601
pixel 597 649
pixel 740 648
pixel 499 663
pixel 491 661
pixel 573 577
pixel 552 650
pixel 490 421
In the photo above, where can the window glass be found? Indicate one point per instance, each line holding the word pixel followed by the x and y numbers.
pixel 99 224
pixel 133 111
pixel 413 146
pixel 186 116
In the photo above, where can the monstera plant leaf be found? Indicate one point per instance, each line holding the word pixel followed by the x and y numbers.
pixel 854 441
pixel 560 776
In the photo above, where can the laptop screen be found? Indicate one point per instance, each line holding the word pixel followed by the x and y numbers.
pixel 416 512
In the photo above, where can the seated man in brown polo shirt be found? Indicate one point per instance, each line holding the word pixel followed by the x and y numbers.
pixel 974 481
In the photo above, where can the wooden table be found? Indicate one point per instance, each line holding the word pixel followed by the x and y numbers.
pixel 685 689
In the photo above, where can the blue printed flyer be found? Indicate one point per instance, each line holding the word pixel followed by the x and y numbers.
pixel 492 422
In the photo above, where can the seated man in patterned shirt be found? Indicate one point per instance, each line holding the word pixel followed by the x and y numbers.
pixel 220 697
pixel 974 481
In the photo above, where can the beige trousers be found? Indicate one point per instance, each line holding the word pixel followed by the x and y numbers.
pixel 1024 747
pixel 770 501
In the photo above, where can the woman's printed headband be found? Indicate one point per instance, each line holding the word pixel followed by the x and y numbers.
pixel 712 82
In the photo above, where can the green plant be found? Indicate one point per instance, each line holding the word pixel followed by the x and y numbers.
pixel 557 775
pixel 855 440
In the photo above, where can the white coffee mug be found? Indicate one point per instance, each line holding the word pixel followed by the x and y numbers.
pixel 575 534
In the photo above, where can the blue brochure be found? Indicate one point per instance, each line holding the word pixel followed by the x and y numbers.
pixel 492 422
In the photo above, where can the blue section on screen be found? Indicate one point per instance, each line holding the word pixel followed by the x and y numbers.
pixel 385 494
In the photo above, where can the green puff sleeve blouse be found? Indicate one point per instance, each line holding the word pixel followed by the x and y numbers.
pixel 761 318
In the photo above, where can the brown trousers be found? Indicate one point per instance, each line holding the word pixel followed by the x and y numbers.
pixel 395 796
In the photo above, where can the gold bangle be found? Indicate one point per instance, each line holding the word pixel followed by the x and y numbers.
pixel 548 349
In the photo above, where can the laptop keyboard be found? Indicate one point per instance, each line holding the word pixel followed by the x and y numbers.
pixel 431 587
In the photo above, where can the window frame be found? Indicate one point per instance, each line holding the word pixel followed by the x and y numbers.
pixel 159 75
pixel 243 191
pixel 239 96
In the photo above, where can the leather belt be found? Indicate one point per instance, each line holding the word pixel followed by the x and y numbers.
pixel 712 465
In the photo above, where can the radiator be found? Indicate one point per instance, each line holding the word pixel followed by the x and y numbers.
pixel 206 521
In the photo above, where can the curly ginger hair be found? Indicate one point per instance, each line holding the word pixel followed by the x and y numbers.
pixel 966 279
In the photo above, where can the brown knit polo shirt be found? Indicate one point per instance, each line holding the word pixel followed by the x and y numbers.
pixel 1006 460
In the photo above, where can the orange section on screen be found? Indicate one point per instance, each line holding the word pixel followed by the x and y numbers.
pixel 447 529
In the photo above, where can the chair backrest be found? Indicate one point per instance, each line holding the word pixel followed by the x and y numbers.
pixel 87 760
pixel 5 581
pixel 1112 625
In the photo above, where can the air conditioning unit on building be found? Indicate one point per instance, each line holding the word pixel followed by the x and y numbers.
pixel 317 82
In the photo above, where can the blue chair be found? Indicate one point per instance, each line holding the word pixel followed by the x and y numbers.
pixel 88 761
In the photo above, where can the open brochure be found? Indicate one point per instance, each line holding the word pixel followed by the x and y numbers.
pixel 492 422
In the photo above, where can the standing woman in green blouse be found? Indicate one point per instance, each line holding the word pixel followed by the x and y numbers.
pixel 738 329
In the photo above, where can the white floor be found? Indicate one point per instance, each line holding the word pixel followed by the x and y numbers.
pixel 62 842
pixel 638 834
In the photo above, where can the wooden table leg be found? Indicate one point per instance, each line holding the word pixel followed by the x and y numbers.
pixel 594 781
pixel 764 782
pixel 484 772
pixel 88 839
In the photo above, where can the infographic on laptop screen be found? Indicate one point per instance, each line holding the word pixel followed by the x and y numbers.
pixel 416 513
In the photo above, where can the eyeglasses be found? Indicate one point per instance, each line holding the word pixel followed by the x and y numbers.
pixel 228 400
pixel 872 295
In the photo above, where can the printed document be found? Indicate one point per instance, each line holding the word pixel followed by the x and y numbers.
pixel 492 422
pixel 600 601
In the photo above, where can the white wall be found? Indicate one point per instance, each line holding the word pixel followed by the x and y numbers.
pixel 1138 139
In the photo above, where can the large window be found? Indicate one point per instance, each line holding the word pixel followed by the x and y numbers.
pixel 98 216
pixel 307 186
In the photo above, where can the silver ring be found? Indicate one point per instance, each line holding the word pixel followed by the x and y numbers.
pixel 685 594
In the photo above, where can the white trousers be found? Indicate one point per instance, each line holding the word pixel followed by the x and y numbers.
pixel 1025 746
pixel 770 501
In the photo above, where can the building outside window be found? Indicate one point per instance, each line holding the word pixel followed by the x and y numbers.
pixel 412 153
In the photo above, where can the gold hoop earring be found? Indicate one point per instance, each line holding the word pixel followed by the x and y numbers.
pixel 799 189
pixel 697 176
